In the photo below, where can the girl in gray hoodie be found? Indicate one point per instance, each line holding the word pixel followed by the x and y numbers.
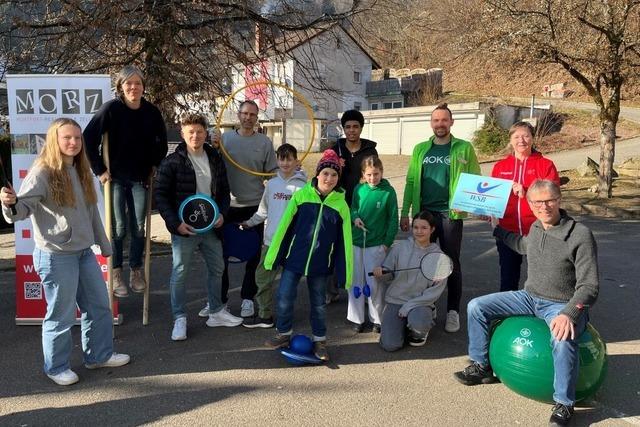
pixel 59 196
pixel 410 311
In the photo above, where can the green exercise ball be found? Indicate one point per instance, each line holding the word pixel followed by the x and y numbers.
pixel 520 355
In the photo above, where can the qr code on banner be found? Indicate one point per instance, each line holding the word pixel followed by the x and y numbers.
pixel 32 290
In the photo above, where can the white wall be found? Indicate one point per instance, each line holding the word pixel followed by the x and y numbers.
pixel 336 56
pixel 399 130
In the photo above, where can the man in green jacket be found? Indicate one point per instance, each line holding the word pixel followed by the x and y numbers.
pixel 434 169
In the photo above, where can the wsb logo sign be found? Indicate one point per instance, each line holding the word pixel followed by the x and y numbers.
pixel 58 101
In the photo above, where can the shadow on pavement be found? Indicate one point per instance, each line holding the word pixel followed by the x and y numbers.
pixel 155 406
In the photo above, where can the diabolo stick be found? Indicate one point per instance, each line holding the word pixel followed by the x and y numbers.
pixel 147 256
pixel 108 207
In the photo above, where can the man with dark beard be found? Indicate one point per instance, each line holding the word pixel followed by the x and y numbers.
pixel 434 170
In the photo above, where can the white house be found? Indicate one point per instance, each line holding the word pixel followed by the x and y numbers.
pixel 328 68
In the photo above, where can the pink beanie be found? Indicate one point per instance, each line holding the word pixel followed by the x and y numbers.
pixel 330 160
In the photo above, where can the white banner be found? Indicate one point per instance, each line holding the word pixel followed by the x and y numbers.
pixel 34 102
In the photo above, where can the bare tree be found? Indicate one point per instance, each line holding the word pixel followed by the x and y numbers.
pixel 183 46
pixel 596 41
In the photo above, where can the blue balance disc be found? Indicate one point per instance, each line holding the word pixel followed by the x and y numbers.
pixel 300 351
pixel 200 212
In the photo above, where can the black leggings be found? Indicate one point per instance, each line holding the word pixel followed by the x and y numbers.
pixel 249 287
pixel 449 236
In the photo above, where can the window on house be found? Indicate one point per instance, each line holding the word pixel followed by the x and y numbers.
pixel 356 76
pixel 387 105
pixel 357 106
pixel 397 104
pixel 374 106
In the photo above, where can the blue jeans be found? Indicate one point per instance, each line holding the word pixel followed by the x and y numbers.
pixel 510 263
pixel 287 292
pixel 392 334
pixel 183 249
pixel 68 279
pixel 129 212
pixel 483 310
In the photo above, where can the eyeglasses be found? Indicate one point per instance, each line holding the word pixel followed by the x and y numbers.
pixel 540 203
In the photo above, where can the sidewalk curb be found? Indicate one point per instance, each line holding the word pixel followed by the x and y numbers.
pixel 600 211
pixel 153 255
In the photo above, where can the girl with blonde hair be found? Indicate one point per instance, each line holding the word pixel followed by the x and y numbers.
pixel 59 196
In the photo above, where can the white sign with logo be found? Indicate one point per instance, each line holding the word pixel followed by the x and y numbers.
pixel 34 102
pixel 481 195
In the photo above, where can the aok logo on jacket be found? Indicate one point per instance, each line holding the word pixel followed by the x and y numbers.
pixel 442 160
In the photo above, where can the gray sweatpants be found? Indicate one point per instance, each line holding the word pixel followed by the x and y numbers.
pixel 392 334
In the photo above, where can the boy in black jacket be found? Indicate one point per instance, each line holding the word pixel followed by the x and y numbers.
pixel 194 167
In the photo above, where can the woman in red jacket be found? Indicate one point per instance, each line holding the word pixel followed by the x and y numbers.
pixel 523 166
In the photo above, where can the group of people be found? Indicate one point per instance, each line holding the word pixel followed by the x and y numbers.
pixel 334 229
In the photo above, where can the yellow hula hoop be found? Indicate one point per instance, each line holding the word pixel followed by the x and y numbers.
pixel 296 94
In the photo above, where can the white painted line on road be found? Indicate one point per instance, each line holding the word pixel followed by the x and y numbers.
pixel 489 252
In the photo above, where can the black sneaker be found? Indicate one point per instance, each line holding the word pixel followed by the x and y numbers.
pixel 417 341
pixel 258 322
pixel 475 374
pixel 357 327
pixel 278 340
pixel 376 328
pixel 320 350
pixel 561 415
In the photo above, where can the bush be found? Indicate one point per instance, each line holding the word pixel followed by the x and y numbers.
pixel 490 138
pixel 548 123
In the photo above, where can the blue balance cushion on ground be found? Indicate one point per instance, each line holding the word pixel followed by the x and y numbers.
pixel 300 351
pixel 520 355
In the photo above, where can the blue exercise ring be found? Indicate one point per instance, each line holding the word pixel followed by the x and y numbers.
pixel 194 218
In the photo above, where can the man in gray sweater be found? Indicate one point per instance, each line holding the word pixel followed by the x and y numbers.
pixel 253 151
pixel 562 282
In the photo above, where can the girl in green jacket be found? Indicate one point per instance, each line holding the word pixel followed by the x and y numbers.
pixel 374 212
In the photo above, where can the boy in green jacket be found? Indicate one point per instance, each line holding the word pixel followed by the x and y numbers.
pixel 313 239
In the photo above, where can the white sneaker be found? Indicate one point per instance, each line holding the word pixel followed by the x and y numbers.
pixel 246 309
pixel 67 377
pixel 114 361
pixel 223 318
pixel 205 311
pixel 179 332
pixel 453 321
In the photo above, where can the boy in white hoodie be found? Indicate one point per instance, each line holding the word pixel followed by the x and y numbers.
pixel 275 198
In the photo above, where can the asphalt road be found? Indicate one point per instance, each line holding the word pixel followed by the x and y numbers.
pixel 224 376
